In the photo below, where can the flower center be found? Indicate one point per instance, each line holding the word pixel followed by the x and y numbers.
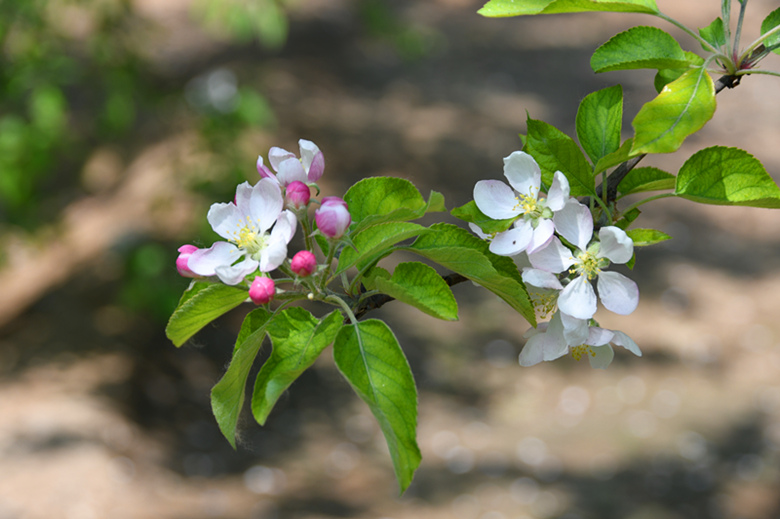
pixel 248 239
pixel 544 302
pixel 587 264
pixel 578 351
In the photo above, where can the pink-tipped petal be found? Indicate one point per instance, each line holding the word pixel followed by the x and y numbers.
pixel 618 293
pixel 185 251
pixel 496 199
pixel 317 167
pixel 263 170
pixel 578 299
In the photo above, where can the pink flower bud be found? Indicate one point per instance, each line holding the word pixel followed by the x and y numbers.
pixel 333 217
pixel 262 290
pixel 185 251
pixel 297 194
pixel 303 263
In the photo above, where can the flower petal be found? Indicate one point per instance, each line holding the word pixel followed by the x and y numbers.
pixel 512 242
pixel 496 199
pixel 291 170
pixel 575 331
pixel 476 229
pixel 277 155
pixel 616 246
pixel 285 226
pixel 555 345
pixel 523 174
pixel 265 204
pixel 599 336
pixel 533 351
pixel 602 356
pixel 553 258
pixel 204 262
pixel 542 236
pixel 273 255
pixel 618 293
pixel 541 278
pixel 225 219
pixel 578 299
pixel 621 339
pixel 234 274
pixel 313 160
pixel 575 223
pixel 559 192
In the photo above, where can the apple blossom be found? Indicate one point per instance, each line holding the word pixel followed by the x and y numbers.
pixel 618 293
pixel 262 290
pixel 303 263
pixel 533 228
pixel 289 168
pixel 333 217
pixel 297 195
pixel 247 225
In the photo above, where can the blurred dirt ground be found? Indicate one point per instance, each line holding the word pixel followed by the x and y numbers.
pixel 100 416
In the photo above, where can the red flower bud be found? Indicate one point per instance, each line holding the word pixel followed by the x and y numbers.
pixel 333 217
pixel 262 290
pixel 303 263
pixel 297 194
pixel 185 251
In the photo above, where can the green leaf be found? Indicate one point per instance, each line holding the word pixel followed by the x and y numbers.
pixel 298 338
pixel 713 34
pixel 555 151
pixel 460 251
pixel 639 47
pixel 769 23
pixel 227 397
pixel 599 121
pixel 665 76
pixel 471 213
pixel 496 8
pixel 640 180
pixel 435 203
pixel 375 242
pixel 682 108
pixel 645 237
pixel 420 286
pixel 384 199
pixel 369 357
pixel 727 176
pixel 199 305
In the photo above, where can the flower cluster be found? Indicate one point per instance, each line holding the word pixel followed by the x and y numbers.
pixel 553 237
pixel 260 222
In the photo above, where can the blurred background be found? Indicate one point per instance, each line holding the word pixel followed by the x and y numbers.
pixel 121 121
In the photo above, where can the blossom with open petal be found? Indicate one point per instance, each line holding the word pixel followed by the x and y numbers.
pixel 534 227
pixel 578 299
pixel 565 334
pixel 289 168
pixel 257 230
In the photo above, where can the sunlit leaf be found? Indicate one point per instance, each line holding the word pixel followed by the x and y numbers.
pixel 495 8
pixel 420 286
pixel 555 151
pixel 199 305
pixel 639 180
pixel 639 47
pixel 599 121
pixel 646 237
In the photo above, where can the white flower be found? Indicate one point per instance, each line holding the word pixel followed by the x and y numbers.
pixel 565 334
pixel 578 299
pixel 533 228
pixel 289 168
pixel 245 223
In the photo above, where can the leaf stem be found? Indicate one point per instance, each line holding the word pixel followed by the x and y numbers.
pixel 742 6
pixel 689 32
pixel 645 200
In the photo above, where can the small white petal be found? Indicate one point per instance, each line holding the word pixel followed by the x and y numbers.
pixel 204 262
pixel 226 219
pixel 621 339
pixel 273 255
pixel 553 258
pixel 512 242
pixel 285 227
pixel 523 173
pixel 618 293
pixel 476 229
pixel 559 192
pixel 616 246
pixel 578 299
pixel 291 170
pixel 277 155
pixel 541 279
pixel 599 336
pixel 555 344
pixel 602 356
pixel 265 204
pixel 533 351
pixel 575 223
pixel 233 275
pixel 542 236
pixel 575 331
pixel 243 195
pixel 308 151
pixel 496 199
